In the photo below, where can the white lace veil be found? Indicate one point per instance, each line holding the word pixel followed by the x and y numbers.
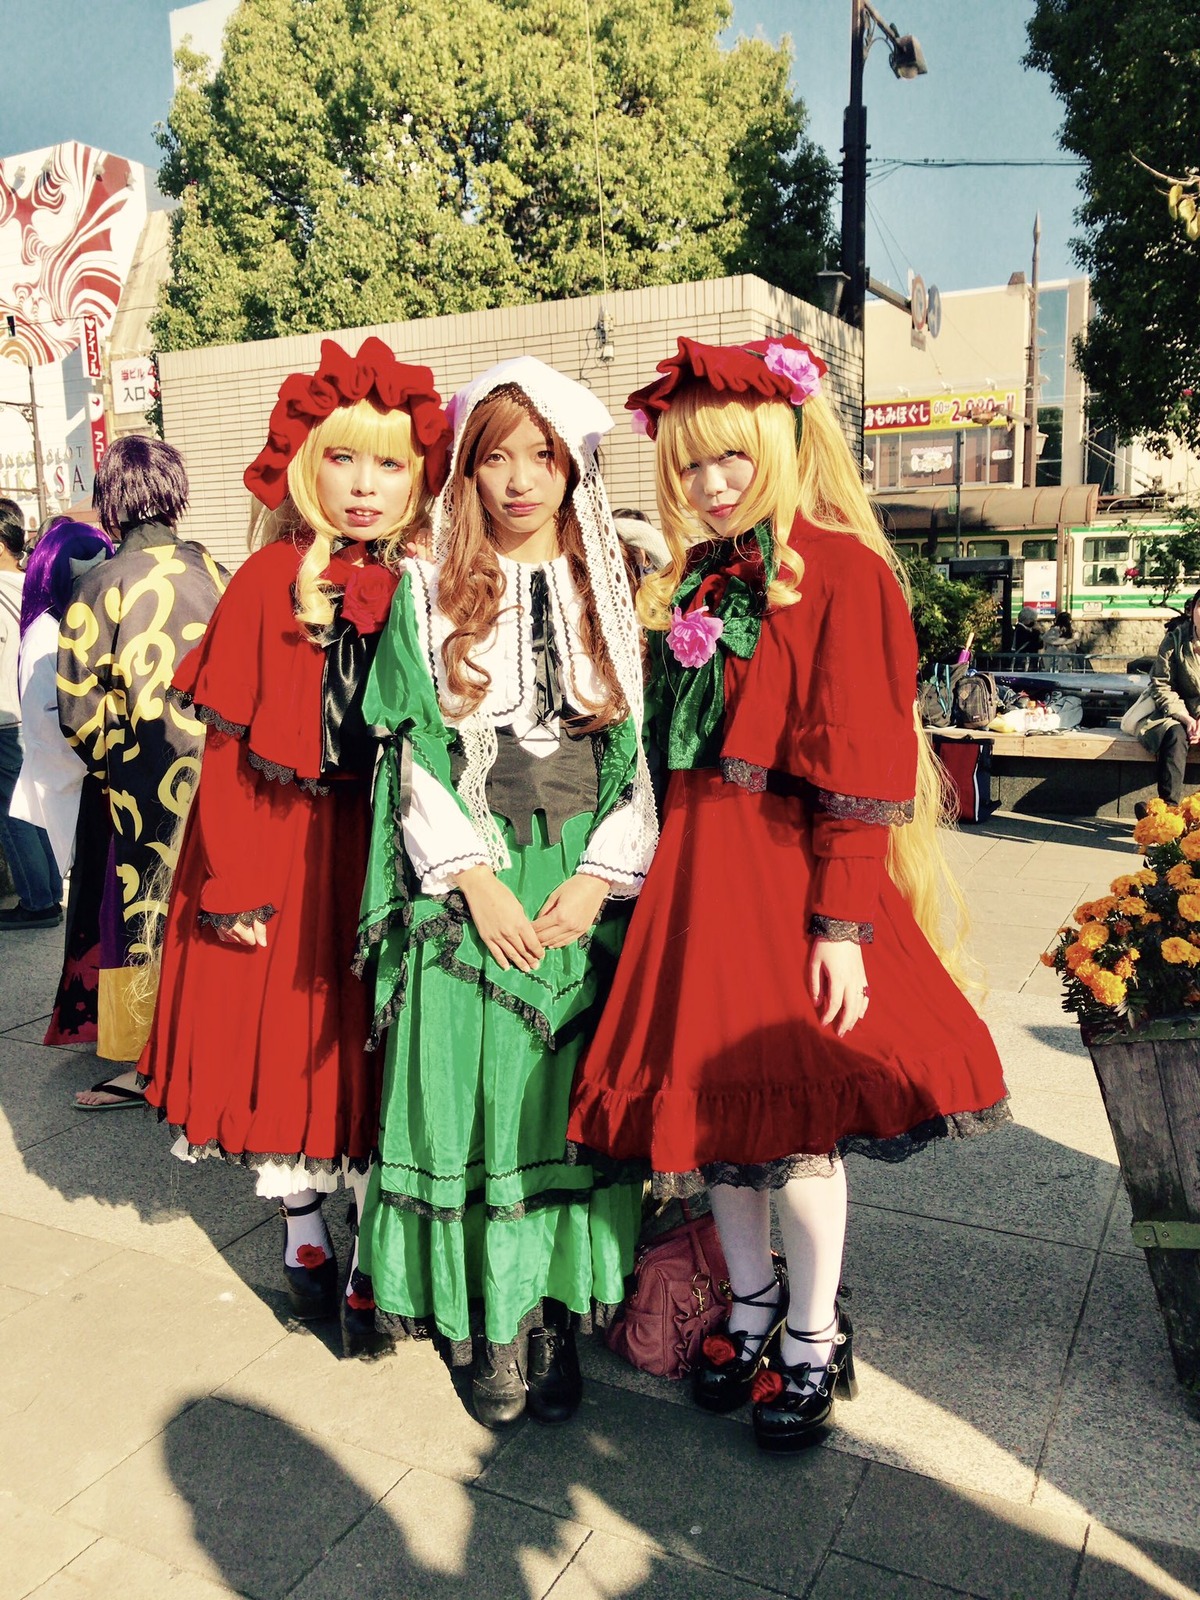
pixel 581 421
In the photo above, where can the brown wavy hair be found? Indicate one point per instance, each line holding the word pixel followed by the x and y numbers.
pixel 471 584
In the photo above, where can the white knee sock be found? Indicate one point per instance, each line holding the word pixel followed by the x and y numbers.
pixel 743 1218
pixel 304 1230
pixel 357 1182
pixel 812 1220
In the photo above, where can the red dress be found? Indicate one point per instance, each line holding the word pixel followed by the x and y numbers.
pixel 709 1049
pixel 259 1055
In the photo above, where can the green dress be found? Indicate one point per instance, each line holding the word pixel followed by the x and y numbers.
pixel 474 1211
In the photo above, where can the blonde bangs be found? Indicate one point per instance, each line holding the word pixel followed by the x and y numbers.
pixel 364 429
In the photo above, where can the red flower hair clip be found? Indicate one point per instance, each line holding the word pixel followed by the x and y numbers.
pixel 778 368
pixel 342 380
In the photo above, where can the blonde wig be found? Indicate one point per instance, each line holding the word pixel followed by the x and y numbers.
pixel 359 427
pixel 817 478
pixel 471 584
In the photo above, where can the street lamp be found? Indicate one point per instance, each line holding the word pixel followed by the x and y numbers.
pixel 907 60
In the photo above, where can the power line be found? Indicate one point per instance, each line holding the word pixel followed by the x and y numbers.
pixel 964 161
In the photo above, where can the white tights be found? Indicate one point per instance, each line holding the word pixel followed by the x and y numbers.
pixel 812 1220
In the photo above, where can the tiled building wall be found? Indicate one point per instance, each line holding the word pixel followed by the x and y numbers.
pixel 216 401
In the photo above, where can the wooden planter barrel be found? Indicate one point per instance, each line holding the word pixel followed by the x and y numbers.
pixel 1150 1080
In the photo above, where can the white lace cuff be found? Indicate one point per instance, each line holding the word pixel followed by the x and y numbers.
pixel 439 839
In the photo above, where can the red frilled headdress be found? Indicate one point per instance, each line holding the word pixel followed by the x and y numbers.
pixel 779 368
pixel 342 380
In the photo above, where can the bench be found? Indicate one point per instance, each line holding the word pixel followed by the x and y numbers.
pixel 1036 774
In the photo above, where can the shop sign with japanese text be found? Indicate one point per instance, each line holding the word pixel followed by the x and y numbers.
pixel 941 412
pixel 134 384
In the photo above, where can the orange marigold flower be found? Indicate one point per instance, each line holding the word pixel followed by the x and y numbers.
pixel 1180 875
pixel 1076 955
pixel 1094 936
pixel 1107 988
pixel 1158 828
pixel 1190 845
pixel 1123 968
pixel 1122 928
pixel 1189 907
pixel 1179 953
pixel 1123 885
pixel 1146 878
pixel 1152 916
pixel 1157 806
pixel 1047 958
pixel 1190 808
pixel 1131 905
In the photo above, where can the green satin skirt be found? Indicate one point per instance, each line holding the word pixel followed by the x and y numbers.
pixel 474 1213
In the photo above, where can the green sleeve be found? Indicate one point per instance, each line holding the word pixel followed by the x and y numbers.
pixel 618 766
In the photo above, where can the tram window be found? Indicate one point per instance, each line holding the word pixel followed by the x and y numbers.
pixel 1039 549
pixel 987 547
pixel 1105 562
pixel 886 450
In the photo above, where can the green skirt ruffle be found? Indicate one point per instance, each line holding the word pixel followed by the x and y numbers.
pixel 474 1214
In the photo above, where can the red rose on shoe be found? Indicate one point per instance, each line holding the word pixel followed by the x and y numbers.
pixel 719 1350
pixel 360 1302
pixel 767 1387
pixel 368 597
pixel 311 1255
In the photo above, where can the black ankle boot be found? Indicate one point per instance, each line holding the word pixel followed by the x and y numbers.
pixel 497 1385
pixel 555 1381
pixel 312 1286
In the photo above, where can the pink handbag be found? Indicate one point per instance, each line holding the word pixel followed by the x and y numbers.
pixel 681 1293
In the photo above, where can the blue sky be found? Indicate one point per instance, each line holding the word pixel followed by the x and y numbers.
pixel 100 72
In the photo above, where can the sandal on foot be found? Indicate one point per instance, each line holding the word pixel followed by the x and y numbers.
pixel 793 1404
pixel 124 1098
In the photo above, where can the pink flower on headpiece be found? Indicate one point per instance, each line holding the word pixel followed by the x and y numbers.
pixel 692 636
pixel 796 365
pixel 640 423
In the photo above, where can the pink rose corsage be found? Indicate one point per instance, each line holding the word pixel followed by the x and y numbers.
pixel 692 636
pixel 640 423
pixel 796 365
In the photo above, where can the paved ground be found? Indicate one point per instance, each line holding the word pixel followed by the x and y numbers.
pixel 1018 1433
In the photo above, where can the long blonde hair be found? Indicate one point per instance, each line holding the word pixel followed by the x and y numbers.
pixel 471 584
pixel 359 427
pixel 817 478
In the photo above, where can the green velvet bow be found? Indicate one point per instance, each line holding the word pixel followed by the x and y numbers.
pixel 689 702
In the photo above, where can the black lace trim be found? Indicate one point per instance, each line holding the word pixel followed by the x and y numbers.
pixel 275 773
pixel 744 773
pixel 232 919
pixel 257 1159
pixel 856 808
pixel 774 1174
pixel 461 1352
pixel 820 927
pixel 519 1209
pixel 206 715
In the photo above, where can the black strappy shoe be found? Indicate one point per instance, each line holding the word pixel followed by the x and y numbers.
pixel 730 1362
pixel 312 1286
pixel 792 1419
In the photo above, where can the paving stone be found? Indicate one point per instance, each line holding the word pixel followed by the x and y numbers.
pixel 38 1260
pixel 108 1569
pixel 32 964
pixel 108 1359
pixel 37 1085
pixel 238 1497
pixel 404 1404
pixel 1115 1569
pixel 843 1579
pixel 600 1365
pixel 607 1566
pixel 680 1483
pixel 13 1300
pixel 444 1541
pixel 962 1334
pixel 964 1540
pixel 1117 1239
pixel 1124 1443
pixel 35 1545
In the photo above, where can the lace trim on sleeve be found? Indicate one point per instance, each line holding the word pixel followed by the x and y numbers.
pixel 441 869
pixel 618 877
pixel 820 927
pixel 234 919
pixel 744 773
pixel 206 715
pixel 274 773
pixel 857 808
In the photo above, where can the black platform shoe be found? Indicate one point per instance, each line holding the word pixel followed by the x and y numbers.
pixel 552 1370
pixel 793 1419
pixel 498 1392
pixel 730 1362
pixel 312 1286
pixel 361 1335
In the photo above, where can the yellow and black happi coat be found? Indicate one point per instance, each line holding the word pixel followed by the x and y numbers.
pixel 128 626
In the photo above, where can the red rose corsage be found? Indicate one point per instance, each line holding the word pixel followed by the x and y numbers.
pixel 311 1255
pixel 368 597
pixel 767 1387
pixel 719 1349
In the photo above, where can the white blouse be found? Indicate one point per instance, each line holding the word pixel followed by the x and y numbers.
pixel 440 840
pixel 47 790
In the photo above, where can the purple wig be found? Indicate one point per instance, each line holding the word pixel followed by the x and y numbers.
pixel 48 576
pixel 139 480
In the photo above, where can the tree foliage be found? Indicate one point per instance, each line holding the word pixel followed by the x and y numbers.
pixel 946 612
pixel 1129 78
pixel 360 161
pixel 1167 562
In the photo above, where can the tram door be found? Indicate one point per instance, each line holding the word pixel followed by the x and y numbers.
pixel 995 575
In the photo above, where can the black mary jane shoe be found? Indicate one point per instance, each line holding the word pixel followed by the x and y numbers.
pixel 552 1372
pixel 730 1362
pixel 498 1393
pixel 787 1419
pixel 312 1285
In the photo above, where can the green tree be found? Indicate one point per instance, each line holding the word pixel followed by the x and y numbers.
pixel 1167 562
pixel 946 613
pixel 1129 78
pixel 358 161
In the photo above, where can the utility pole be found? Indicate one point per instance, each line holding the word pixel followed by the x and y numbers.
pixel 1029 453
pixel 854 175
